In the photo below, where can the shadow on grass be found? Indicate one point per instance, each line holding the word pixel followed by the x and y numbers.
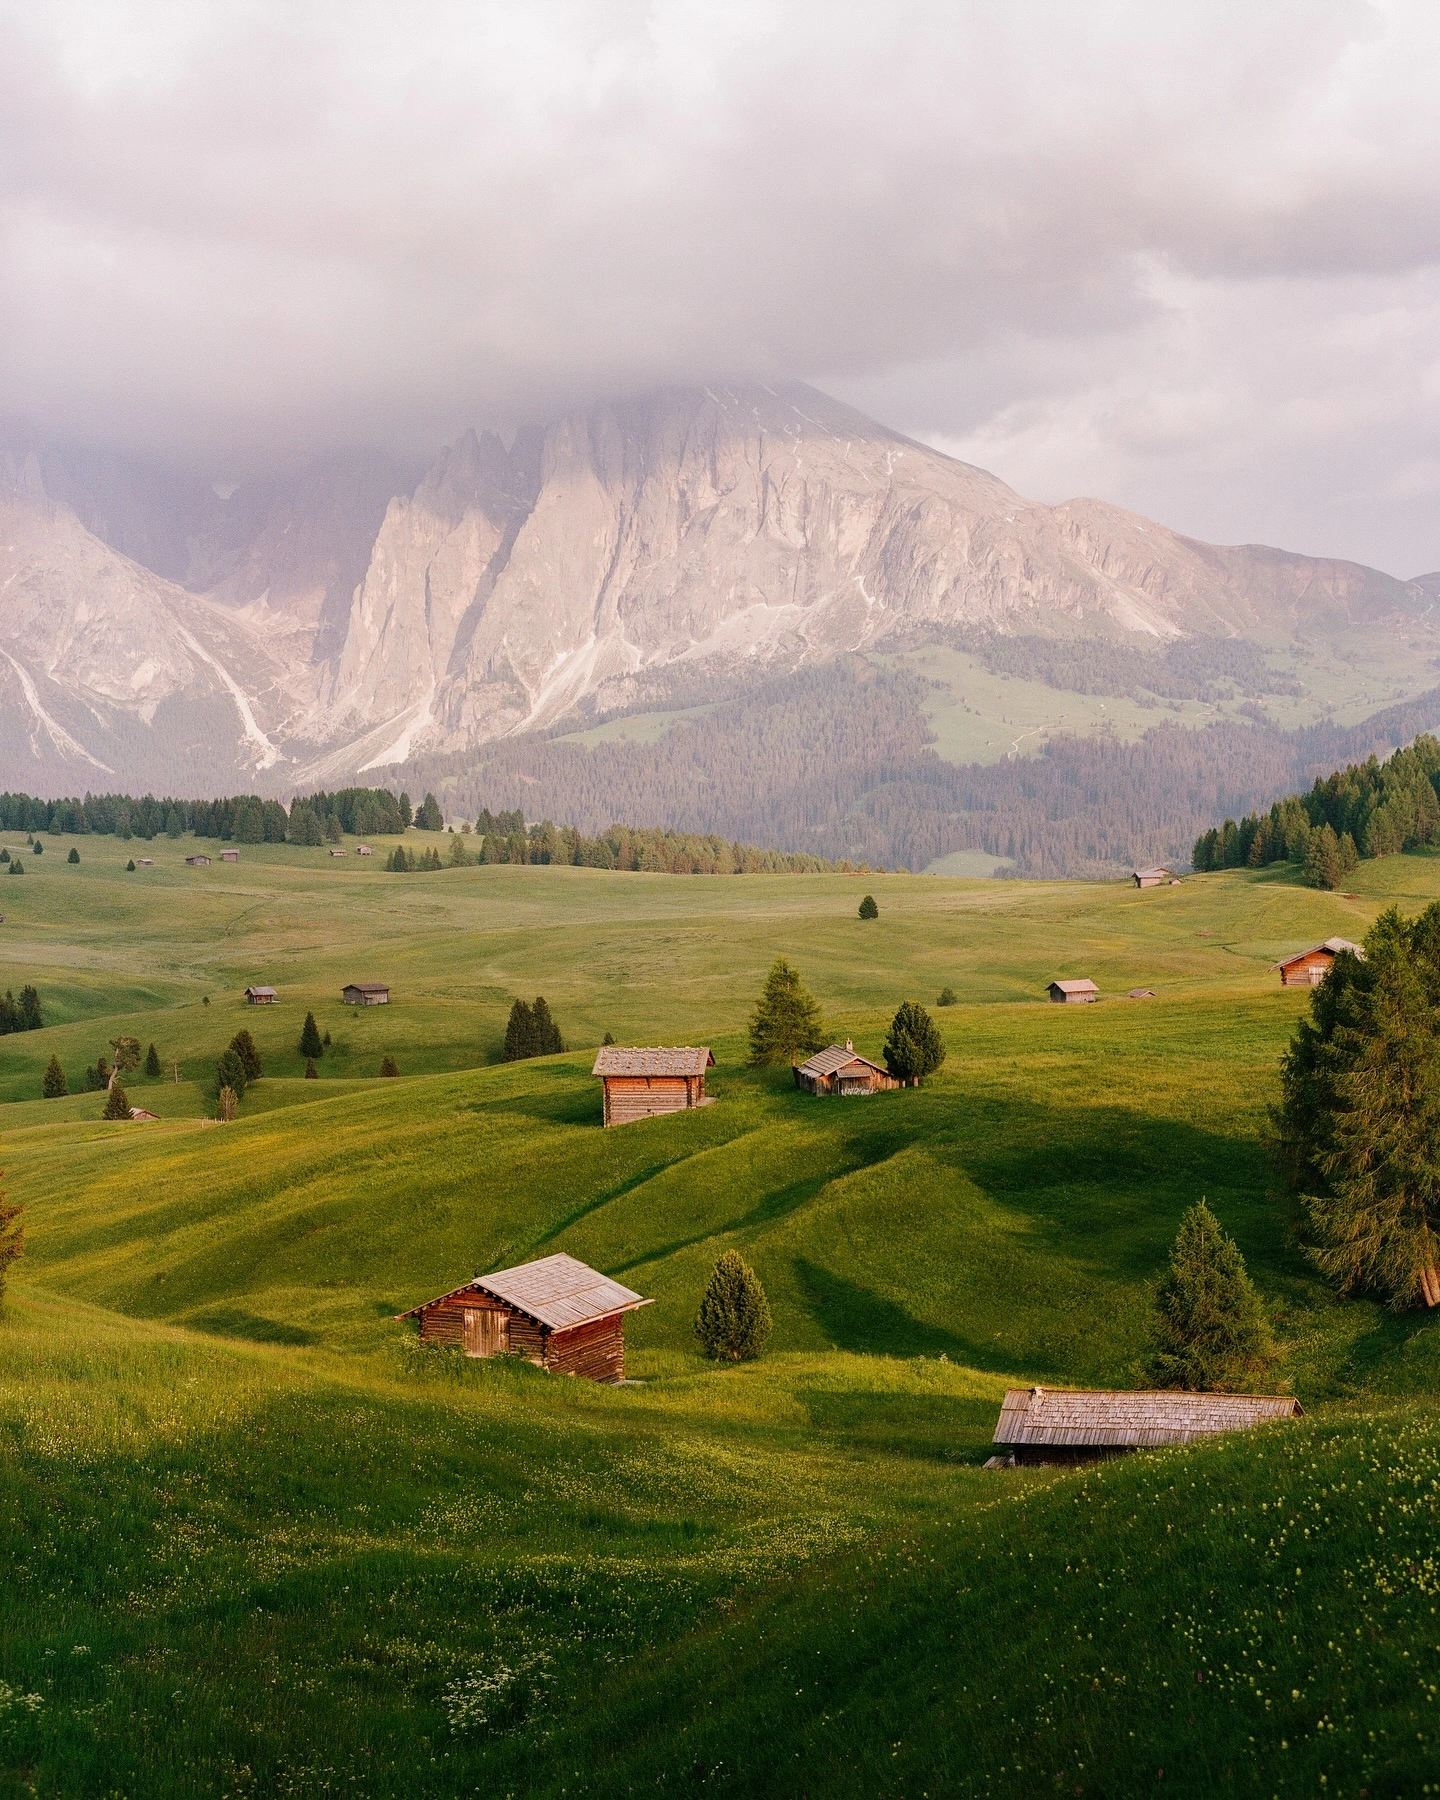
pixel 855 1318
pixel 234 1322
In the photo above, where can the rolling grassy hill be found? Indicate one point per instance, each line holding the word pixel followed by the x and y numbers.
pixel 263 1544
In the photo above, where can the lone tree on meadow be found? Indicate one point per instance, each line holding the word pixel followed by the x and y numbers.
pixel 244 1047
pixel 1208 1328
pixel 389 1066
pixel 532 1031
pixel 734 1318
pixel 12 1234
pixel 152 1063
pixel 786 1023
pixel 914 1048
pixel 74 855
pixel 54 1086
pixel 127 1054
pixel 230 1073
pixel 868 908
pixel 117 1102
pixel 310 1044
pixel 1358 1124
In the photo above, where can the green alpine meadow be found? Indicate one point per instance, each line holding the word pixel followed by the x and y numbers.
pixel 258 1539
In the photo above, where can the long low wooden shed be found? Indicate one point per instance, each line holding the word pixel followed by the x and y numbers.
pixel 365 993
pixel 842 1070
pixel 644 1083
pixel 1073 993
pixel 1050 1425
pixel 556 1312
pixel 1308 968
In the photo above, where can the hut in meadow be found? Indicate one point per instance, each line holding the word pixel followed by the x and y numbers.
pixel 556 1312
pixel 1148 878
pixel 260 996
pixel 229 856
pixel 1073 993
pixel 197 862
pixel 842 1070
pixel 365 993
pixel 1308 968
pixel 1059 1425
pixel 644 1083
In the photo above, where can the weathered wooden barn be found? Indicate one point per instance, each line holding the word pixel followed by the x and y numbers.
pixel 197 862
pixel 841 1070
pixel 1308 968
pixel 229 856
pixel 261 996
pixel 1148 878
pixel 1073 993
pixel 1057 1425
pixel 556 1312
pixel 365 993
pixel 644 1083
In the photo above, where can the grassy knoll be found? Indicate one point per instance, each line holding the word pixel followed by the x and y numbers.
pixel 262 1544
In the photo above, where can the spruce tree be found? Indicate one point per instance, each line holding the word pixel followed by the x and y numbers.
pixel 54 1086
pixel 520 1033
pixel 152 1063
pixel 117 1103
pixel 914 1048
pixel 74 855
pixel 130 866
pixel 609 1038
pixel 1322 859
pixel 429 817
pixel 389 1066
pixel 786 1023
pixel 734 1318
pixel 28 1009
pixel 230 1072
pixel 1208 1328
pixel 948 997
pixel 244 1047
pixel 310 1042
pixel 310 1071
pixel 548 1041
pixel 868 908
pixel 12 1234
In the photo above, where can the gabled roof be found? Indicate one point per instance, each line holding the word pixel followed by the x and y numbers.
pixel 369 987
pixel 615 1059
pixel 558 1291
pixel 1143 872
pixel 1334 945
pixel 1082 1418
pixel 260 990
pixel 838 1056
pixel 1084 986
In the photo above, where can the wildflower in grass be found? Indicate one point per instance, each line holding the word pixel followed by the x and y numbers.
pixel 117 1102
pixel 54 1086
pixel 1208 1328
pixel 12 1234
pixel 734 1318
pixel 502 1692
pixel 786 1023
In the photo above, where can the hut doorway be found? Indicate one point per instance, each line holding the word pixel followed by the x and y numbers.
pixel 485 1332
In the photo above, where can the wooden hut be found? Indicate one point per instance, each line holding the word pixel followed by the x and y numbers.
pixel 1073 993
pixel 261 996
pixel 229 856
pixel 643 1083
pixel 1057 1425
pixel 556 1312
pixel 841 1070
pixel 197 862
pixel 1308 968
pixel 1148 878
pixel 365 993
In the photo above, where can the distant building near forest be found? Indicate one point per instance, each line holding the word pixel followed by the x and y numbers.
pixel 1308 968
pixel 644 1083
pixel 556 1312
pixel 261 996
pixel 363 850
pixel 1056 1425
pixel 366 993
pixel 840 1070
pixel 1141 994
pixel 1144 878
pixel 139 1114
pixel 1073 993
pixel 229 856
pixel 197 862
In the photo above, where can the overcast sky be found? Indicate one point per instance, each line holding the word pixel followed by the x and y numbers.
pixel 1184 257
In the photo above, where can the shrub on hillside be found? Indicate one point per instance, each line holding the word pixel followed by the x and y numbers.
pixel 54 1086
pixel 914 1048
pixel 230 1073
pixel 18 868
pixel 786 1024
pixel 244 1047
pixel 531 1031
pixel 1208 1328
pixel 74 855
pixel 389 1066
pixel 1358 1124
pixel 12 1235
pixel 868 908
pixel 130 866
pixel 226 1101
pixel 117 1103
pixel 948 997
pixel 734 1318
pixel 310 1044
pixel 98 1077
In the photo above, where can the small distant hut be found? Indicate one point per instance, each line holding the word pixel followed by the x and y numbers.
pixel 1147 878
pixel 841 1070
pixel 229 856
pixel 363 850
pixel 644 1083
pixel 337 852
pixel 556 1312
pixel 261 996
pixel 365 993
pixel 145 862
pixel 141 1117
pixel 1060 1425
pixel 197 862
pixel 1073 993
pixel 1308 968
pixel 1141 994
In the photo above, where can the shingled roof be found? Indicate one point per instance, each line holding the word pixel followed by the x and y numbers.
pixel 1083 986
pixel 838 1056
pixel 558 1291
pixel 615 1059
pixel 1334 945
pixel 1082 1418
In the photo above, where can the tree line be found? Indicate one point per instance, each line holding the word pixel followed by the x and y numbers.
pixel 241 818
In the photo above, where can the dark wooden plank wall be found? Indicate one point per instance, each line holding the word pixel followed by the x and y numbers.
pixel 630 1097
pixel 444 1322
pixel 595 1350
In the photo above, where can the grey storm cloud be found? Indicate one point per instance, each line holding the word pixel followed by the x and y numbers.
pixel 1183 256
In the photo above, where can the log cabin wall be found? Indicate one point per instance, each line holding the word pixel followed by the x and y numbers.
pixel 444 1322
pixel 1306 971
pixel 595 1350
pixel 631 1097
pixel 527 1339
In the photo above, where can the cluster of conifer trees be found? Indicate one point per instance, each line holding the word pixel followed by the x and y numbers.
pixel 532 1031
pixel 1366 809
pixel 20 1015
pixel 242 818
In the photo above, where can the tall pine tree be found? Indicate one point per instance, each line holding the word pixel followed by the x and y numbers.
pixel 914 1048
pixel 734 1318
pixel 310 1044
pixel 786 1024
pixel 1208 1329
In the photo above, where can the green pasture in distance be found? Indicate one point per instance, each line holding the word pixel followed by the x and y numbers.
pixel 261 1543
